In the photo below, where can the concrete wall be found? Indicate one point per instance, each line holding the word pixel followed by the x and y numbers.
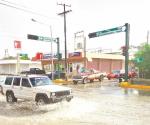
pixel 9 66
pixel 105 62
pixel 8 69
pixel 105 65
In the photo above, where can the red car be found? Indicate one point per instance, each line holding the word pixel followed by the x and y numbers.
pixel 131 74
pixel 115 74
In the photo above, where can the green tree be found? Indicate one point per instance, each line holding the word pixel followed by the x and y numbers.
pixel 142 60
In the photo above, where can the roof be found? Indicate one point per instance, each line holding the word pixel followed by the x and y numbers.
pixel 20 61
pixel 104 56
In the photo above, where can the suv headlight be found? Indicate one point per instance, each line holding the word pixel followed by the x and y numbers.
pixel 70 91
pixel 53 94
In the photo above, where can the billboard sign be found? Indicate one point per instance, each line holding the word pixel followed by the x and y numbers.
pixel 17 44
pixel 75 54
pixel 49 56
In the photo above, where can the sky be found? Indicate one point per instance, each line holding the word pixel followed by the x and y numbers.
pixel 86 15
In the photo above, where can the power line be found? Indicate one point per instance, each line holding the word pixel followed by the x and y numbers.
pixel 16 4
pixel 22 9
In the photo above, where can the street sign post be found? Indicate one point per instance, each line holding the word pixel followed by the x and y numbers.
pixel 126 29
pixel 48 39
pixel 40 38
pixel 106 32
pixel 127 32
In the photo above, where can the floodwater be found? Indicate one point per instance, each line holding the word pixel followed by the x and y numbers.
pixel 93 104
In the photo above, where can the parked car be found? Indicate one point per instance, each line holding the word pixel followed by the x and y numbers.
pixel 33 71
pixel 131 74
pixel 36 88
pixel 115 74
pixel 119 74
pixel 87 75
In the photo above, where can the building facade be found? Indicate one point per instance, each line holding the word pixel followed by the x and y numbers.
pixel 98 61
pixel 12 67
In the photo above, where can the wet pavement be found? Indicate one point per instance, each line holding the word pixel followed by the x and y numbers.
pixel 93 104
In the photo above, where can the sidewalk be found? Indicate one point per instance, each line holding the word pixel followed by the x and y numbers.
pixel 141 86
pixel 62 81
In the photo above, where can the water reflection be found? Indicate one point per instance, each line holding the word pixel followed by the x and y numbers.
pixel 144 92
pixel 136 92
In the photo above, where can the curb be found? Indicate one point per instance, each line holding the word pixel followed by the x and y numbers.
pixel 129 85
pixel 62 81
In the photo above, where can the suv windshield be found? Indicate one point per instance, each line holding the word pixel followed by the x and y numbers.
pixel 40 81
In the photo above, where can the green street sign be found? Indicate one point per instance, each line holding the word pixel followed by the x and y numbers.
pixel 40 38
pixel 47 39
pixel 109 31
pixel 139 59
pixel 106 32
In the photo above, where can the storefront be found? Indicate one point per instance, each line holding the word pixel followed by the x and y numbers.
pixel 101 62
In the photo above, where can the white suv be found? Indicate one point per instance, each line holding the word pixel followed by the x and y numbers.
pixel 36 88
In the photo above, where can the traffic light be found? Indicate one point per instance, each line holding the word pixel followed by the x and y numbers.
pixel 124 50
pixel 92 35
pixel 33 37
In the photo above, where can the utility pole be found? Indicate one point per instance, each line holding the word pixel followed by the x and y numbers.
pixel 65 36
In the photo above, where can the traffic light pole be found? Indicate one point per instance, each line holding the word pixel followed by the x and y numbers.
pixel 117 30
pixel 127 31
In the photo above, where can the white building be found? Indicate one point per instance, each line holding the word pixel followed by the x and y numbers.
pixel 12 67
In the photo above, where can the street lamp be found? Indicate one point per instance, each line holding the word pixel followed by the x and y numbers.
pixel 50 27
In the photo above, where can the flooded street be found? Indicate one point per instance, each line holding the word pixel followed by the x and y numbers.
pixel 93 104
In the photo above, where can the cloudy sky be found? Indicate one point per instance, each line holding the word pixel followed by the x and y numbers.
pixel 87 15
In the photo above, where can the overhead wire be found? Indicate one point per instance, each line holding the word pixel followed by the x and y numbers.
pixel 24 8
pixel 16 4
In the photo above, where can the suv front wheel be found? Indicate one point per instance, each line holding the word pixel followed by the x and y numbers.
pixel 41 100
pixel 101 78
pixel 75 82
pixel 10 98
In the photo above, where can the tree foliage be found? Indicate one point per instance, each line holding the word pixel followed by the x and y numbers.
pixel 142 60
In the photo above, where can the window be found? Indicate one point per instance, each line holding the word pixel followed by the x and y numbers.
pixel 8 80
pixel 16 81
pixel 25 82
pixel 40 81
pixel 79 46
